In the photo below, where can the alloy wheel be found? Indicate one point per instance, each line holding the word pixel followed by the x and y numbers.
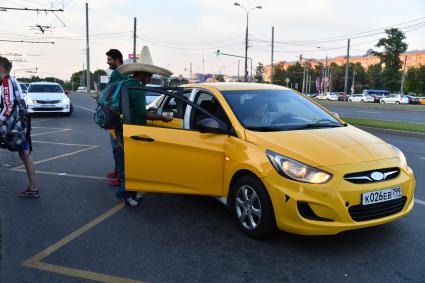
pixel 248 207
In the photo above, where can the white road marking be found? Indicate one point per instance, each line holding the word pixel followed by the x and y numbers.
pixel 418 201
pixel 423 158
pixel 84 108
pixel 61 143
pixel 64 174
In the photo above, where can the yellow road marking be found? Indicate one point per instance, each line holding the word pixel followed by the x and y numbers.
pixel 35 261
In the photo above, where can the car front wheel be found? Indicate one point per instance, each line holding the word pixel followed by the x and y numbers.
pixel 252 208
pixel 397 102
pixel 382 102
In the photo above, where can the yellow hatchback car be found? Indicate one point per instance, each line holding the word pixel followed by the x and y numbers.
pixel 274 157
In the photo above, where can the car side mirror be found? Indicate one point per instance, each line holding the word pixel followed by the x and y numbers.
pixel 212 126
pixel 153 110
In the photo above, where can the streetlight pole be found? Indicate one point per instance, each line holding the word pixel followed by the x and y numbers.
pixel 246 37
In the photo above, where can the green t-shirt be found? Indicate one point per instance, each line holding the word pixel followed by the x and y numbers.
pixel 137 103
pixel 116 76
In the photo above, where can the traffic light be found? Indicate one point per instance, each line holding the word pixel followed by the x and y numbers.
pixel 218 52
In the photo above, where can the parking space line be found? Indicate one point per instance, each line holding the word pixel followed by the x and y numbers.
pixel 61 143
pixel 58 156
pixel 63 174
pixel 418 201
pixel 36 261
pixel 57 130
pixel 38 121
pixel 84 108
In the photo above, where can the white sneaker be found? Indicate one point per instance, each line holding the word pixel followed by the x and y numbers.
pixel 132 202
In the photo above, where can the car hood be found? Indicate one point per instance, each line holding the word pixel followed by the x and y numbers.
pixel 45 95
pixel 325 146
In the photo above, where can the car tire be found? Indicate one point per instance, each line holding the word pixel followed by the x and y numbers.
pixel 382 102
pixel 349 100
pixel 252 208
pixel 362 101
pixel 71 109
pixel 397 102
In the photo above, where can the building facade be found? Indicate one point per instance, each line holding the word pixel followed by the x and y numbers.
pixel 414 59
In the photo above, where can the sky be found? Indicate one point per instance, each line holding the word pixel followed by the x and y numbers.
pixel 184 32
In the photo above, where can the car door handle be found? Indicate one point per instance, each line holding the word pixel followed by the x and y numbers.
pixel 141 138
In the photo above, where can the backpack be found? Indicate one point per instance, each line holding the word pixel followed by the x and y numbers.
pixel 108 110
pixel 14 131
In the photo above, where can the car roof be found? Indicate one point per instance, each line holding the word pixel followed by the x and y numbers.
pixel 223 86
pixel 45 83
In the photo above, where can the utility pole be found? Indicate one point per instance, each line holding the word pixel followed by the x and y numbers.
pixel 134 40
pixel 304 78
pixel 190 78
pixel 309 81
pixel 203 64
pixel 404 75
pixel 354 75
pixel 88 48
pixel 239 65
pixel 346 70
pixel 246 49
pixel 271 65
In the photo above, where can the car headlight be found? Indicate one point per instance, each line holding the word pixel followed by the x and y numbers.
pixel 29 101
pixel 296 170
pixel 401 157
pixel 65 101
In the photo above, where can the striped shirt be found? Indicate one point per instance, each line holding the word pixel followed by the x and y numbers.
pixel 7 97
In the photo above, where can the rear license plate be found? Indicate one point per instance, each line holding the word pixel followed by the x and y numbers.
pixel 381 195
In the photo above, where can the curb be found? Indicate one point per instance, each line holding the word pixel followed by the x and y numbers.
pixel 391 131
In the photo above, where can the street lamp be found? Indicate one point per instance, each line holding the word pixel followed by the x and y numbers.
pixel 246 36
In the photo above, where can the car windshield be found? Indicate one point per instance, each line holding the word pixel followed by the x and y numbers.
pixel 23 87
pixel 277 110
pixel 45 88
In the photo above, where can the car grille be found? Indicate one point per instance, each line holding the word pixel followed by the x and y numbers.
pixel 47 109
pixel 377 210
pixel 372 176
pixel 47 101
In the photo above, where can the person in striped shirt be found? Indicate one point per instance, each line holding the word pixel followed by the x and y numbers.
pixel 9 93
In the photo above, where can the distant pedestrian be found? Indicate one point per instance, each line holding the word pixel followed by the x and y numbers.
pixel 15 124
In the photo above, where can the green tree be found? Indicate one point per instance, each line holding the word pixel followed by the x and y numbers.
pixel 259 73
pixel 374 76
pixel 393 45
pixel 295 74
pixel 279 75
pixel 79 78
pixel 338 77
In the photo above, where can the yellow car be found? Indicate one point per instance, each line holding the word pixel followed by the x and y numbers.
pixel 274 157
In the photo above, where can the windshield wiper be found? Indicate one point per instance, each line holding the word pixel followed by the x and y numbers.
pixel 265 129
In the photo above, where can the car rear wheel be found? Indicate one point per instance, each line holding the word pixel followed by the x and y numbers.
pixel 349 100
pixel 397 102
pixel 252 208
pixel 382 102
pixel 362 100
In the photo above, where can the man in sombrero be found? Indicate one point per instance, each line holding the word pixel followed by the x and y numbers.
pixel 141 73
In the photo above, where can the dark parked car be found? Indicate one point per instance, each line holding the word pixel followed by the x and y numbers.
pixel 413 99
pixel 342 96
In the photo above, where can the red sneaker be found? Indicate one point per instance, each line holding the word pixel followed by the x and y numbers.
pixel 112 175
pixel 115 182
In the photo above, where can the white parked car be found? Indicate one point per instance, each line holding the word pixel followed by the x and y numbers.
pixel 328 96
pixel 361 98
pixel 82 89
pixel 48 97
pixel 395 98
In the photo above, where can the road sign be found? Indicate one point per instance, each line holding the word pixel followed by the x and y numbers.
pixel 287 80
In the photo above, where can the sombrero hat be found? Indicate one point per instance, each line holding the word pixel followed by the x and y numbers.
pixel 144 64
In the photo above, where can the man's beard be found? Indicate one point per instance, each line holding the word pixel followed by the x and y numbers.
pixel 2 75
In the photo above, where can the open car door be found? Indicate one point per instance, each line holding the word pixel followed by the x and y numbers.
pixel 171 159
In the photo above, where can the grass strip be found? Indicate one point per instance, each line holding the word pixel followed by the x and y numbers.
pixel 392 125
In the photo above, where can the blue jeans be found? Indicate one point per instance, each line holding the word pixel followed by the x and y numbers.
pixel 118 154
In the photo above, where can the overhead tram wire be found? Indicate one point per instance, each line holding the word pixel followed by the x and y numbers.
pixel 28 41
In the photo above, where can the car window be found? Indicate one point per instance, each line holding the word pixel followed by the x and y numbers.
pixel 177 106
pixel 210 104
pixel 45 88
pixel 276 110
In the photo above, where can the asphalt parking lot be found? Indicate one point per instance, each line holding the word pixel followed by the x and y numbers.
pixel 78 232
